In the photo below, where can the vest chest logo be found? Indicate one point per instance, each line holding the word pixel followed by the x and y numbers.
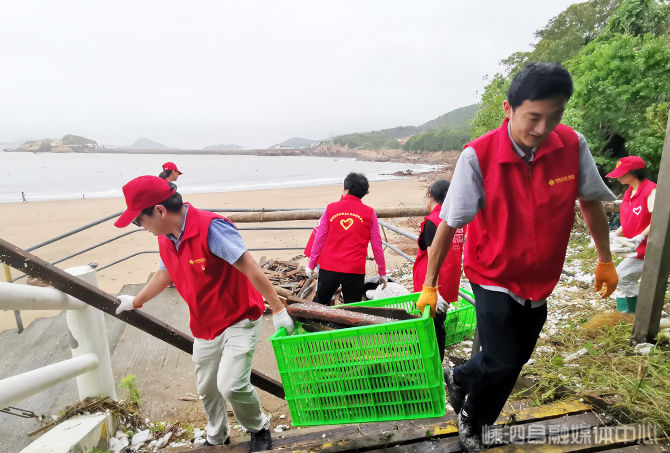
pixel 349 221
pixel 346 223
pixel 561 179
pixel 637 210
pixel 198 261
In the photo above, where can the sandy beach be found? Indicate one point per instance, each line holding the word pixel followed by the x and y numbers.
pixel 26 224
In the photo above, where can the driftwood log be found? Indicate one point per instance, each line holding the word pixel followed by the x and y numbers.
pixel 382 213
pixel 323 313
pixel 397 314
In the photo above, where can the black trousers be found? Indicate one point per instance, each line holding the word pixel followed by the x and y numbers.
pixel 508 332
pixel 329 281
pixel 440 332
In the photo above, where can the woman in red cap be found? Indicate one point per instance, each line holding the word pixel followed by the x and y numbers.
pixel 450 272
pixel 636 209
pixel 170 172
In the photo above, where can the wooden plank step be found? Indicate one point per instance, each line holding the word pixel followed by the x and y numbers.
pixel 369 436
pixel 532 431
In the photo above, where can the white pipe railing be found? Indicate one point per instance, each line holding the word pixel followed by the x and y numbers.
pixel 17 388
pixel 90 364
pixel 26 297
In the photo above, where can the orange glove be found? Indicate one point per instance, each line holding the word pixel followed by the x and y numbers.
pixel 428 297
pixel 606 278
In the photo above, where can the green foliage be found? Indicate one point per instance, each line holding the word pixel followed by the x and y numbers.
pixel 622 89
pixel 491 114
pixel 158 427
pixel 635 388
pixel 447 132
pixel 563 37
pixel 460 118
pixel 566 34
pixel 368 140
pixel 618 55
pixel 639 17
pixel 133 394
pixel 438 140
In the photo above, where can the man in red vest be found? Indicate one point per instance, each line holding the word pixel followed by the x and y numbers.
pixel 341 244
pixel 205 257
pixel 516 187
pixel 636 209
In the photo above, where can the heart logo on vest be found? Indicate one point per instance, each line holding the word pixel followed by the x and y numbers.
pixel 346 223
pixel 637 210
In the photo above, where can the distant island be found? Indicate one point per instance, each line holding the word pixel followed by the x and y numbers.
pixel 431 142
pixel 223 148
pixel 296 143
pixel 68 144
pixel 147 143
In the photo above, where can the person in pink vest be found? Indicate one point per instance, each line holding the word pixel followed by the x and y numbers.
pixel 204 255
pixel 636 209
pixel 450 272
pixel 341 244
pixel 515 187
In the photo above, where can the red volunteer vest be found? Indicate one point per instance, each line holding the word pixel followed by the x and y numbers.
pixel 217 294
pixel 450 272
pixel 346 246
pixel 518 241
pixel 635 215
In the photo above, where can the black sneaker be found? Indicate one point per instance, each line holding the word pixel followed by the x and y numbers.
pixel 207 444
pixel 469 433
pixel 456 392
pixel 261 440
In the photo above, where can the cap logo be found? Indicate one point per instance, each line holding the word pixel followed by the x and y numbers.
pixel 617 164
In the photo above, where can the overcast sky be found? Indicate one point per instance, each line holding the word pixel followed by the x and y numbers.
pixel 195 73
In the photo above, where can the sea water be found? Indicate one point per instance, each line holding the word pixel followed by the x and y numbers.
pixel 59 176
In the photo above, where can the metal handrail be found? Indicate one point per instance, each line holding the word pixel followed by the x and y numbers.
pixel 116 214
pixel 251 210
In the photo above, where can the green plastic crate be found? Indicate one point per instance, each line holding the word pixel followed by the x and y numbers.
pixel 363 374
pixel 460 323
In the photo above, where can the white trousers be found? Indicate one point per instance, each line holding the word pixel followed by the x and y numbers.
pixel 629 271
pixel 223 371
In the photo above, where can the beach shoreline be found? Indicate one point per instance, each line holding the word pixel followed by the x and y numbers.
pixel 26 224
pixel 323 150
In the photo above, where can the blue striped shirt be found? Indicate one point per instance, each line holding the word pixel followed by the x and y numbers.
pixel 224 241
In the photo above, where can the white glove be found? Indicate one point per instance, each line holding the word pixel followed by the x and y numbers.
pixel 309 271
pixel 637 240
pixel 125 303
pixel 442 305
pixel 283 319
pixel 383 281
pixel 613 236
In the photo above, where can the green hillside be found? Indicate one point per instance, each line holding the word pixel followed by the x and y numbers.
pixel 448 131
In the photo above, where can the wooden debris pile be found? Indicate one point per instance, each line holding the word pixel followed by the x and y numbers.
pixel 288 277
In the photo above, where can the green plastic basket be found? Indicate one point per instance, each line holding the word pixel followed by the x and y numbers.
pixel 460 323
pixel 363 374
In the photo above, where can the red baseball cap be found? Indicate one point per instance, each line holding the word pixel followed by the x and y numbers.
pixel 141 193
pixel 625 165
pixel 171 166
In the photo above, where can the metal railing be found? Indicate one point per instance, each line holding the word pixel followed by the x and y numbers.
pixel 8 276
pixel 90 363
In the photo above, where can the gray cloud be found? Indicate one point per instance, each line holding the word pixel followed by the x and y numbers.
pixel 192 74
